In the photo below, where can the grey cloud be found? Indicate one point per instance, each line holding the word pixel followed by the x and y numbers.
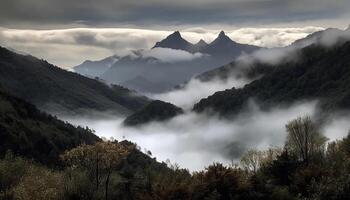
pixel 164 12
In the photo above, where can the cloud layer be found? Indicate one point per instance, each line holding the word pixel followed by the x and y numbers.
pixel 170 55
pixel 70 47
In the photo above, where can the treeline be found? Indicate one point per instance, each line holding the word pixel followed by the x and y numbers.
pixel 306 167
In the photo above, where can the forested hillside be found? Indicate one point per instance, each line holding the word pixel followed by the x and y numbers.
pixel 26 131
pixel 320 73
pixel 58 91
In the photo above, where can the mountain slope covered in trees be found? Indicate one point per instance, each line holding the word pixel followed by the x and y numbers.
pixel 26 131
pixel 320 73
pixel 56 90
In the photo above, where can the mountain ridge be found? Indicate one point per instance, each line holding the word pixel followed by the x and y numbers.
pixel 62 92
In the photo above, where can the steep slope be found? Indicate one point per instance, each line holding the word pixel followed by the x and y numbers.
pixel 154 111
pixel 321 73
pixel 31 133
pixel 58 91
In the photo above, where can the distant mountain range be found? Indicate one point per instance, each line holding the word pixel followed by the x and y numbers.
pixel 96 68
pixel 222 47
pixel 146 71
pixel 61 92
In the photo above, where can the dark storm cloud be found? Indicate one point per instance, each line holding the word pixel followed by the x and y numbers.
pixel 163 12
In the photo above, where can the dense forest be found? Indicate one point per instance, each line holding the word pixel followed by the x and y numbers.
pixel 307 167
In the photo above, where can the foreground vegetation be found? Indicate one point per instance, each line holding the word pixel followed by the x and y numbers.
pixel 307 167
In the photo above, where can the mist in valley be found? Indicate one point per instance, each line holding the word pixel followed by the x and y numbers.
pixel 197 140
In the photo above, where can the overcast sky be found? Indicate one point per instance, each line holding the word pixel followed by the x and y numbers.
pixel 159 13
pixel 47 28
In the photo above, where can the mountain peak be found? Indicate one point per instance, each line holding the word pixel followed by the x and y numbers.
pixel 174 41
pixel 175 34
pixel 222 34
pixel 222 39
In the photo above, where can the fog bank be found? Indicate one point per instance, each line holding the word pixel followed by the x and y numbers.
pixel 195 141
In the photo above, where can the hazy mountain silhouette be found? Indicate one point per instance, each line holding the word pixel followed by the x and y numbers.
pixel 96 68
pixel 126 70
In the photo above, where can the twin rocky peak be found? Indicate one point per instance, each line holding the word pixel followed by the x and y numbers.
pixel 222 44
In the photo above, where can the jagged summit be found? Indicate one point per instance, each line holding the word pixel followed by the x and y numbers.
pixel 222 38
pixel 174 41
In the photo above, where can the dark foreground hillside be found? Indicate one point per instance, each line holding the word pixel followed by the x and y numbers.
pixel 26 131
pixel 320 73
pixel 56 90
pixel 118 170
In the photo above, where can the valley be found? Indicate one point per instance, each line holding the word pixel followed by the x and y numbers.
pixel 174 100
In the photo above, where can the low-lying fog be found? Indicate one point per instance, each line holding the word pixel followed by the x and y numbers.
pixel 195 141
